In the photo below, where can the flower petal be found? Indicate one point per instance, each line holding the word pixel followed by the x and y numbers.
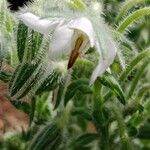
pixel 85 26
pixel 61 42
pixel 107 50
pixel 43 26
pixel 100 69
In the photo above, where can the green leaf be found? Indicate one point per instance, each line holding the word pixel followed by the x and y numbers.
pixel 51 82
pixel 110 82
pixel 42 110
pixel 21 40
pixel 83 68
pixel 33 43
pixel 81 85
pixel 132 131
pixel 82 112
pixel 59 95
pixel 28 43
pixel 135 104
pixel 84 139
pixel 36 42
pixel 142 91
pixel 22 106
pixel 5 76
pixel 128 4
pixel 144 131
pixel 49 137
pixel 126 144
pixel 137 79
pixel 133 17
pixel 21 75
pixel 141 56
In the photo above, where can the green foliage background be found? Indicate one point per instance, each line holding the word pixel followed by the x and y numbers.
pixel 63 104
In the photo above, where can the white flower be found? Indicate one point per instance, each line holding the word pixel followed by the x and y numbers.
pixel 43 26
pixel 73 38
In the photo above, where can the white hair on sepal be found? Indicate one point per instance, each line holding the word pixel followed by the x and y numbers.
pixel 106 47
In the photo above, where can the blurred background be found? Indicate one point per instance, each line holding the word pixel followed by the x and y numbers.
pixel 20 119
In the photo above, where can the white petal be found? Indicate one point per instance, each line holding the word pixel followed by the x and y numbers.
pixel 61 43
pixel 85 26
pixel 103 66
pixel 43 26
pixel 108 70
pixel 100 69
pixel 108 52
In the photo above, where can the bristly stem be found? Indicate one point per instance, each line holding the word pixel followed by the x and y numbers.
pixel 132 17
pixel 128 4
pixel 99 118
pixel 126 145
pixel 133 105
pixel 143 55
pixel 137 79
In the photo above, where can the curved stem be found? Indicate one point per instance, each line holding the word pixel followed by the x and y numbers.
pixel 99 118
pixel 132 17
pixel 143 55
pixel 133 106
pixel 126 7
pixel 142 91
pixel 126 145
pixel 136 80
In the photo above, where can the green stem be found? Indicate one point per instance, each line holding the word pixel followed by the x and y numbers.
pixel 132 17
pixel 104 143
pixel 133 106
pixel 63 121
pixel 107 96
pixel 99 117
pixel 126 7
pixel 136 80
pixel 77 5
pixel 141 92
pixel 33 107
pixel 143 55
pixel 133 63
pixel 126 145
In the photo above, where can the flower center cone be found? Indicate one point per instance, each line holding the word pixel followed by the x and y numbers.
pixel 75 52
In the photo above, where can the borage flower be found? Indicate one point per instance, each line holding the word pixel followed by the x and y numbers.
pixel 71 39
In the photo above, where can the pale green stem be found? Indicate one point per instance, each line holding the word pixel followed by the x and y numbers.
pixel 77 5
pixel 9 30
pixel 126 7
pixel 141 93
pixel 66 110
pixel 132 17
pixel 98 116
pixel 136 80
pixel 126 145
pixel 144 54
pixel 63 121
pixel 133 105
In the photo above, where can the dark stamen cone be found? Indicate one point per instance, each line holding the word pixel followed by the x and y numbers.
pixel 75 53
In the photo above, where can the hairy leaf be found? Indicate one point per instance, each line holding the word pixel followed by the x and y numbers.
pixel 81 85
